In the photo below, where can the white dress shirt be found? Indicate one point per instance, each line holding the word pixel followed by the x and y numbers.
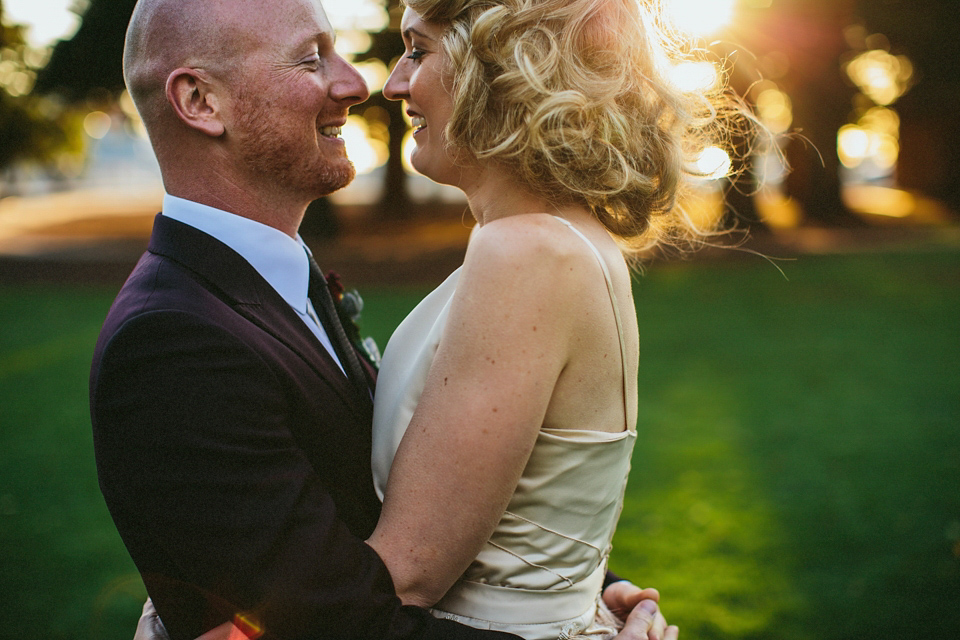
pixel 281 260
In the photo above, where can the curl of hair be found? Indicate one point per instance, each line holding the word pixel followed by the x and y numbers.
pixel 573 97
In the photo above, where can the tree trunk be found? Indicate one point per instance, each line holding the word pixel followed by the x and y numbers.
pixel 395 202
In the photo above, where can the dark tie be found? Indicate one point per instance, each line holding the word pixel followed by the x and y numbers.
pixel 319 294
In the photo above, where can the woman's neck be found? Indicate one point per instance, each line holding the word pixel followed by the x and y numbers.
pixel 497 194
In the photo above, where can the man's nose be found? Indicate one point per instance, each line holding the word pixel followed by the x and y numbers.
pixel 349 87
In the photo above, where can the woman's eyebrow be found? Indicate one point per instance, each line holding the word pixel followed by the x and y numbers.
pixel 410 30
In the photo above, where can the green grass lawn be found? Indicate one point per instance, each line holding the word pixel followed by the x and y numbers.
pixel 797 474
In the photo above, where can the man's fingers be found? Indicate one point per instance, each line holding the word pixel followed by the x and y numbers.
pixel 640 621
pixel 672 633
pixel 658 629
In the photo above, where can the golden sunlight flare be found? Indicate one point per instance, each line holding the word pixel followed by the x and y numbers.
pixel 700 17
pixel 47 21
pixel 366 151
pixel 694 76
pixel 713 163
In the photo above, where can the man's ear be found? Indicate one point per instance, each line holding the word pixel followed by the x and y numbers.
pixel 194 101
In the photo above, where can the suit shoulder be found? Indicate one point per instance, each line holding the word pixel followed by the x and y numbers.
pixel 158 285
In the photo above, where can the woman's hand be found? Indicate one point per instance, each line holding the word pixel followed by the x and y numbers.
pixel 150 627
pixel 641 612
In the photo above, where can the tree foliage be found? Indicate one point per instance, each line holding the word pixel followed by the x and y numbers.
pixel 31 128
pixel 91 61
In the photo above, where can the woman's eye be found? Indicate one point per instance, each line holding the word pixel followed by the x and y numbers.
pixel 416 54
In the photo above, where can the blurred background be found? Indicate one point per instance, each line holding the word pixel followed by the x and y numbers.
pixel 798 473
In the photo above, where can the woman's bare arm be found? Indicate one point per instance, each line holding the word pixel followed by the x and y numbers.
pixel 507 339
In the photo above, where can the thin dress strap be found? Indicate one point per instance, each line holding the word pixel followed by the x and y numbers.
pixel 616 312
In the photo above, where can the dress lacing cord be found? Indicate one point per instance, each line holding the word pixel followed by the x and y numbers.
pixel 600 554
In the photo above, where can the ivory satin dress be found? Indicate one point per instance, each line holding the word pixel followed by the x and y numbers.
pixel 540 574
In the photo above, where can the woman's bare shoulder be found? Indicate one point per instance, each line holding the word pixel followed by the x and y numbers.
pixel 536 241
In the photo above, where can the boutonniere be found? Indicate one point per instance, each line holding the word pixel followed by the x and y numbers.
pixel 349 304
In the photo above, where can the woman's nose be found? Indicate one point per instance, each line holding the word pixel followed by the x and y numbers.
pixel 397 85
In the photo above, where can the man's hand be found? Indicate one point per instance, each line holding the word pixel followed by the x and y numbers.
pixel 640 611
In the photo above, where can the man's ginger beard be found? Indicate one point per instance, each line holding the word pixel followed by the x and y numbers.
pixel 280 156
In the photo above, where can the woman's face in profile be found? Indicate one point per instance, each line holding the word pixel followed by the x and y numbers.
pixel 421 79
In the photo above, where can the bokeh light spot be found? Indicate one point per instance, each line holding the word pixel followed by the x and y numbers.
pixel 96 124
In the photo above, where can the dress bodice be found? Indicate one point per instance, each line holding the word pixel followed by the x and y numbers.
pixel 540 573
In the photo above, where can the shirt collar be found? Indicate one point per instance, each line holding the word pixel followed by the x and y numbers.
pixel 278 258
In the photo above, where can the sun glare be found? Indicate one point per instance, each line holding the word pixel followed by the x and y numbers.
pixel 700 17
pixel 48 21
pixel 714 163
pixel 366 151
pixel 694 76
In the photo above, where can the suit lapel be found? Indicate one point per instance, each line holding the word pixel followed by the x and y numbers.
pixel 232 279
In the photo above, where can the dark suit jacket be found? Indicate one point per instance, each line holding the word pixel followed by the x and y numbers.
pixel 234 456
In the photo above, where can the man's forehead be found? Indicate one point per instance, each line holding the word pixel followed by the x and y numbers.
pixel 281 21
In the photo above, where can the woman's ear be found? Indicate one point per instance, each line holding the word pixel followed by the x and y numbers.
pixel 194 101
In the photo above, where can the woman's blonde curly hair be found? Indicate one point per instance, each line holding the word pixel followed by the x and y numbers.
pixel 572 96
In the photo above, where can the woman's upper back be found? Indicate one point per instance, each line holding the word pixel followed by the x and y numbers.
pixel 549 268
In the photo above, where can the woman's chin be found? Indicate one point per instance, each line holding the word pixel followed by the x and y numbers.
pixel 420 165
pixel 438 175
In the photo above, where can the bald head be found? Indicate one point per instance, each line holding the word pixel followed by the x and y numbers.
pixel 164 35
